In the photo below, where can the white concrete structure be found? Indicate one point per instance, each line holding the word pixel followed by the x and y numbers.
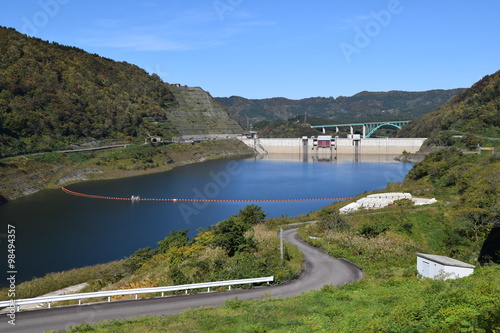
pixel 381 200
pixel 343 145
pixel 441 267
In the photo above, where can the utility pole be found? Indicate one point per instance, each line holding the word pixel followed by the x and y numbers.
pixel 281 244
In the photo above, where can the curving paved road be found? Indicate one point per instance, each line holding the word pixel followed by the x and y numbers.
pixel 319 269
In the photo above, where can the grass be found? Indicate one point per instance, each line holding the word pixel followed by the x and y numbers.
pixel 470 304
pixel 384 242
pixel 389 299
pixel 59 280
pixel 193 262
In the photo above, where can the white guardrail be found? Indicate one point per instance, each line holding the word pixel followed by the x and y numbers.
pixel 100 294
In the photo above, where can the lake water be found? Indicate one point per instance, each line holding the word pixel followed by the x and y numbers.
pixel 57 231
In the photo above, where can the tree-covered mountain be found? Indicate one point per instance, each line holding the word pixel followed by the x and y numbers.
pixel 364 106
pixel 474 111
pixel 52 96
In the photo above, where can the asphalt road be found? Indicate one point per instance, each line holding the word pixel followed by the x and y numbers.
pixel 319 269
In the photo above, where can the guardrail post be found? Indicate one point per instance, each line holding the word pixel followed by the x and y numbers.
pixel 109 294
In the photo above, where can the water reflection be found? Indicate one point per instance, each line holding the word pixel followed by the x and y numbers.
pixel 57 231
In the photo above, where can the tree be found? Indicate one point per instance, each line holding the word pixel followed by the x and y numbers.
pixel 230 235
pixel 138 258
pixel 331 219
pixel 251 215
pixel 175 239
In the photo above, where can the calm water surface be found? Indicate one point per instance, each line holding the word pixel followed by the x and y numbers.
pixel 56 231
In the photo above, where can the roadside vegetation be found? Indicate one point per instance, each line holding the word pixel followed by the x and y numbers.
pixel 391 297
pixel 390 305
pixel 54 97
pixel 239 247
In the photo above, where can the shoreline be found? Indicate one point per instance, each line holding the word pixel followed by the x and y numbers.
pixel 23 176
pixel 226 156
pixel 50 176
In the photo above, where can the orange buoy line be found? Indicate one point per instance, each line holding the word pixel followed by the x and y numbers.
pixel 197 200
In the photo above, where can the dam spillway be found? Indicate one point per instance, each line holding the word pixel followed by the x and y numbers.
pixel 369 146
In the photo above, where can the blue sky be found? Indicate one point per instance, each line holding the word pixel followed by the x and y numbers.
pixel 293 49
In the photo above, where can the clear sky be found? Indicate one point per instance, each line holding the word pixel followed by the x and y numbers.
pixel 277 48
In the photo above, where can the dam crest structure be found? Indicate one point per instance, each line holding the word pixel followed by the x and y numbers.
pixel 353 145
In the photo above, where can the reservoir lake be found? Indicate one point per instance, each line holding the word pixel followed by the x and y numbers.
pixel 57 231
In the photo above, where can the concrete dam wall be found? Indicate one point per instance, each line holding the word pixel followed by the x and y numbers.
pixel 343 145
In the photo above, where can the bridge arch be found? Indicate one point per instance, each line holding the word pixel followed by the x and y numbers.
pixel 377 126
pixel 368 128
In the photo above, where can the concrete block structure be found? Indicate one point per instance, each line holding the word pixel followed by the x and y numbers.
pixel 441 267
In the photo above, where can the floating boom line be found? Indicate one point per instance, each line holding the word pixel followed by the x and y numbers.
pixel 136 198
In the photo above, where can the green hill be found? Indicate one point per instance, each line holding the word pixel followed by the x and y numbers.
pixel 474 111
pixel 52 96
pixel 364 106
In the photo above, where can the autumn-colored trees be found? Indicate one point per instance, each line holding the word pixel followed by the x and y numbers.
pixel 474 111
pixel 68 96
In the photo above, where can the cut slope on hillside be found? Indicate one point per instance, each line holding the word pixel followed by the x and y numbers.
pixel 52 96
pixel 197 113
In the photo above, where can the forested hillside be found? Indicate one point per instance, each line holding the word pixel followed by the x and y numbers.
pixel 52 96
pixel 474 111
pixel 364 106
